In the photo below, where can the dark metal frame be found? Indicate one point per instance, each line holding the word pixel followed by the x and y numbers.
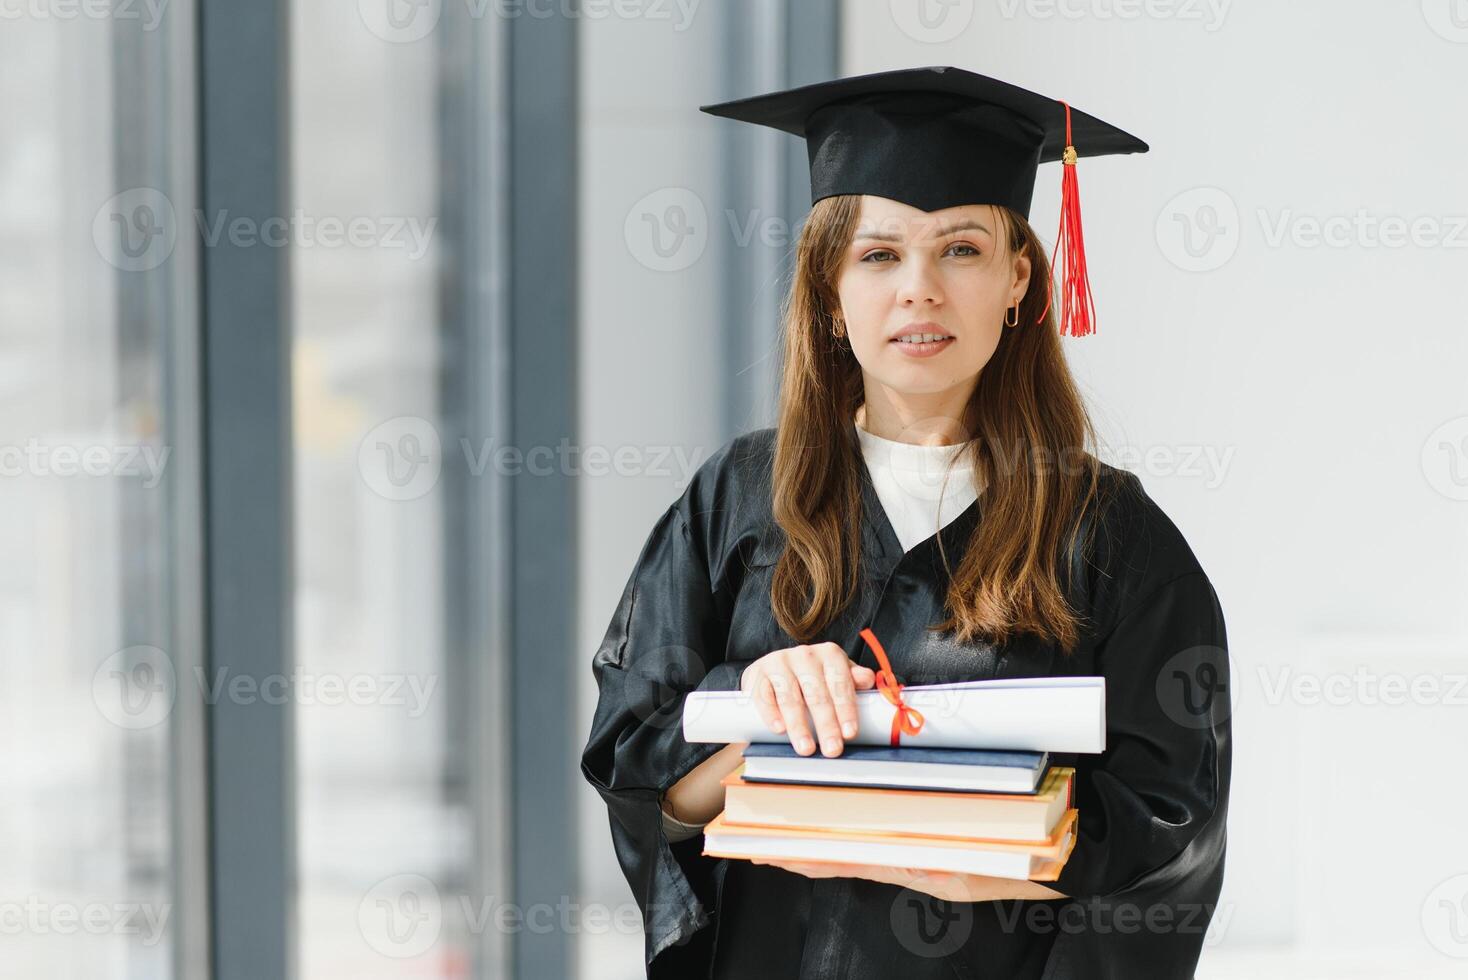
pixel 245 300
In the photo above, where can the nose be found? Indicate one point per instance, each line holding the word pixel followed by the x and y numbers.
pixel 920 282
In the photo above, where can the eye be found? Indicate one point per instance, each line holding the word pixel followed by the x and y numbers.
pixel 870 256
pixel 971 249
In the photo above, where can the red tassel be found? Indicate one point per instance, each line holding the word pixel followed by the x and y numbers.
pixel 1077 306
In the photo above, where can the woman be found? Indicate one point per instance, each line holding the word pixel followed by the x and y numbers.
pixel 928 477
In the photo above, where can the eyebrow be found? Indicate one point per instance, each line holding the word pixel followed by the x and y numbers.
pixel 965 225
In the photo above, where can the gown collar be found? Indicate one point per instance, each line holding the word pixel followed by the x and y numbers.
pixel 954 534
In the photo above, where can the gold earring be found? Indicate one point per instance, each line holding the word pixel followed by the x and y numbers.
pixel 1015 322
pixel 838 327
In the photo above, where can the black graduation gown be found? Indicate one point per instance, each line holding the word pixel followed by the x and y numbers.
pixel 1147 867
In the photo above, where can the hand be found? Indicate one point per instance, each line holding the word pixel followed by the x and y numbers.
pixel 818 676
pixel 834 869
pixel 949 886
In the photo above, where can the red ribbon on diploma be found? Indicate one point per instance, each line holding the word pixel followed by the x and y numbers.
pixel 907 719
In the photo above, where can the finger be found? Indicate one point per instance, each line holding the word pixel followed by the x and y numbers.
pixel 843 690
pixel 792 709
pixel 811 673
pixel 864 677
pixel 766 705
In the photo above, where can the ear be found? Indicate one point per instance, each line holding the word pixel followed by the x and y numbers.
pixel 1021 276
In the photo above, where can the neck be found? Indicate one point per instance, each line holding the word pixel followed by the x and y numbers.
pixel 926 419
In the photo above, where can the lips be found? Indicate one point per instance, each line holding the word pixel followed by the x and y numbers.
pixel 920 332
pixel 922 345
pixel 921 338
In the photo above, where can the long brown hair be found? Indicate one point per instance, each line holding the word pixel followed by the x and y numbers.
pixel 1030 450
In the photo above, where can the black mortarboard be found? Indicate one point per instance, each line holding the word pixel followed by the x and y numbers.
pixel 939 137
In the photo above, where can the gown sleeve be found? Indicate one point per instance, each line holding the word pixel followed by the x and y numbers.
pixel 667 637
pixel 1147 866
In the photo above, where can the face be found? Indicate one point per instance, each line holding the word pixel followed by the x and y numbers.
pixel 924 295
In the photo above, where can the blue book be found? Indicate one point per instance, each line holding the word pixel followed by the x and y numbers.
pixel 899 767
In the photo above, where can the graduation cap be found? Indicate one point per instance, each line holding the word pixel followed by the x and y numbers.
pixel 939 137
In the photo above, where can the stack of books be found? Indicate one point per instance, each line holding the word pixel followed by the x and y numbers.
pixel 1005 814
pixel 989 807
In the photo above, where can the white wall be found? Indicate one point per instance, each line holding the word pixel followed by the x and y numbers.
pixel 1334 519
pixel 649 345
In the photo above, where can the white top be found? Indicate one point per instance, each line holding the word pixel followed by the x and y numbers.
pixel 920 497
pixel 917 489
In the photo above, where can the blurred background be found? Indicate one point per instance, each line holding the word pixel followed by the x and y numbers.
pixel 349 351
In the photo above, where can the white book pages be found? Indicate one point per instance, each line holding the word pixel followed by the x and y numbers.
pixel 1035 714
pixel 998 864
